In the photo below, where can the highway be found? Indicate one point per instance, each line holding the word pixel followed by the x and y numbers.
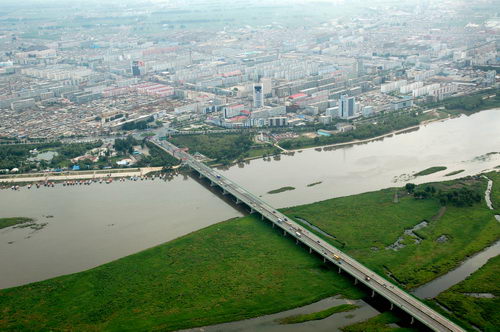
pixel 397 297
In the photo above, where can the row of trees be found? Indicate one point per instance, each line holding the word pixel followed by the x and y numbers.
pixel 70 151
pixel 224 148
pixel 363 131
pixel 141 125
pixel 157 157
pixel 126 145
pixel 458 197
pixel 16 156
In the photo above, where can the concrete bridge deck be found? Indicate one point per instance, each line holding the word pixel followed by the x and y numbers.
pixel 397 297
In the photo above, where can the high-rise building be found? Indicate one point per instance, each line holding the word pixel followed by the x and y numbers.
pixel 258 95
pixel 347 107
pixel 136 67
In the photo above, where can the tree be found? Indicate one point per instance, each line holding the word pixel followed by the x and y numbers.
pixel 410 187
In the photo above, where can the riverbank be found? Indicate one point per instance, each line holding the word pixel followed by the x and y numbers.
pixel 241 268
pixel 83 175
pixel 371 139
pixel 376 222
pixel 203 278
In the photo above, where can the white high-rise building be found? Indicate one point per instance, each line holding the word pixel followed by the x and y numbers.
pixel 347 107
pixel 258 95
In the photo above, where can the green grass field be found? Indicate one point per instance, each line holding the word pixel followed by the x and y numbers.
pixel 481 312
pixel 7 222
pixel 229 271
pixel 364 225
pixel 243 268
pixel 317 315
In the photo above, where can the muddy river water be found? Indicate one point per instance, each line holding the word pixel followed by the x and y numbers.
pixel 85 226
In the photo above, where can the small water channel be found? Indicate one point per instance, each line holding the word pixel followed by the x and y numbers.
pixel 487 197
pixel 269 323
pixel 399 244
pixel 469 266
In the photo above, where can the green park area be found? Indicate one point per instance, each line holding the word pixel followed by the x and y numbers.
pixel 224 148
pixel 26 157
pixel 244 268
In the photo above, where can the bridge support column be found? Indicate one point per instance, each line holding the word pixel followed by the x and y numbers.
pixel 201 176
pixel 392 306
pixel 412 320
pixel 373 293
pixel 355 281
pixel 284 232
pixel 238 201
pixel 224 192
pixel 340 270
pixel 273 225
pixel 296 241
pixel 324 260
pixel 251 211
pixel 310 250
pixel 212 184
pixel 262 217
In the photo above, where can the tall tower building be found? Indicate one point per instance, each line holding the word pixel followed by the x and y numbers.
pixel 258 95
pixel 136 67
pixel 347 107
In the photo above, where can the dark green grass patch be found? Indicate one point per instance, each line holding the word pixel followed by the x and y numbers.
pixel 379 323
pixel 455 172
pixel 7 222
pixel 431 170
pixel 481 312
pixel 280 190
pixel 318 315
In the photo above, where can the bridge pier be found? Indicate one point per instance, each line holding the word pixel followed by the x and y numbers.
pixel 412 320
pixel 355 281
pixel 296 241
pixel 224 192
pixel 373 293
pixel 237 200
pixel 262 217
pixel 340 270
pixel 392 306
pixel 201 176
pixel 324 260
pixel 212 184
pixel 284 232
pixel 251 211
pixel 310 250
pixel 273 225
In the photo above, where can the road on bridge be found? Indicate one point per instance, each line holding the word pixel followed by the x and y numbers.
pixel 398 297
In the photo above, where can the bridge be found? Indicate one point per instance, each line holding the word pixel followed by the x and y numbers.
pixel 378 285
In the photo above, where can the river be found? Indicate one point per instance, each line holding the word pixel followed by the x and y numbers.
pixel 92 225
pixel 459 143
